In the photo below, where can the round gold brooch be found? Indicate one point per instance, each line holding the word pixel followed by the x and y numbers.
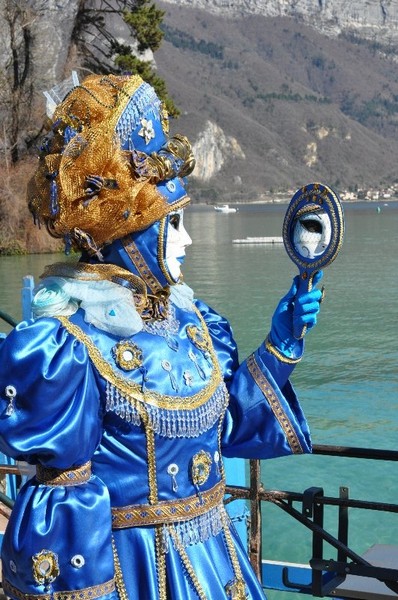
pixel 198 338
pixel 45 567
pixel 201 465
pixel 128 356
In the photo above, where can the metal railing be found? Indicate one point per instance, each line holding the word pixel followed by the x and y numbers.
pixel 7 318
pixel 326 574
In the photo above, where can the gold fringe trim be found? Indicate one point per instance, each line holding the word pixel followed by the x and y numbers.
pixel 132 391
pixel 168 422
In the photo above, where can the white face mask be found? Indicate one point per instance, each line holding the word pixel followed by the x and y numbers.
pixel 177 240
pixel 312 234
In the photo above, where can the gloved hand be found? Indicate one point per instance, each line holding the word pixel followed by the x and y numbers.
pixel 294 311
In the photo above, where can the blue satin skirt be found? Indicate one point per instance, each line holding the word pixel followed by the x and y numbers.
pixel 201 568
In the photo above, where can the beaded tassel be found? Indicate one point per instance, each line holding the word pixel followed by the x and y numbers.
pixel 196 530
pixel 120 405
pixel 167 422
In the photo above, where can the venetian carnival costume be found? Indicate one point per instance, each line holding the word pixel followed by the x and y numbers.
pixel 125 391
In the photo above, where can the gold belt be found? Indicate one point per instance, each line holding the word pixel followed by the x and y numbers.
pixel 168 511
pixel 90 593
pixel 52 476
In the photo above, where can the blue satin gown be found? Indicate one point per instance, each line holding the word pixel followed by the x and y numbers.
pixel 128 436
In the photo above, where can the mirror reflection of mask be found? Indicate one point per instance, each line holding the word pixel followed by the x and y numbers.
pixel 312 234
pixel 177 240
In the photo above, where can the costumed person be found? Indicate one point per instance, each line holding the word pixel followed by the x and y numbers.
pixel 125 391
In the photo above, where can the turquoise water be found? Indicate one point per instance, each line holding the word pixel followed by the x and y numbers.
pixel 348 379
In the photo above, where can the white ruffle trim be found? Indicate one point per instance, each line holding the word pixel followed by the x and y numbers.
pixel 107 305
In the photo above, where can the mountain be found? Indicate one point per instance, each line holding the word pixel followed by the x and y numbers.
pixel 273 102
pixel 369 18
pixel 273 93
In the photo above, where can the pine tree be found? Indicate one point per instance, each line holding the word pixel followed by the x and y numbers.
pixel 107 54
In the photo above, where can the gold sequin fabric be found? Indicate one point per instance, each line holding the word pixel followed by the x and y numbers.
pixel 126 201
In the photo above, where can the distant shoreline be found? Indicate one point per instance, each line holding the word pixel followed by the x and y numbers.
pixel 285 201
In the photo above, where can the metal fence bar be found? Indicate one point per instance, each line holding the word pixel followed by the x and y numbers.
pixel 313 502
pixel 352 452
pixel 256 494
pixel 7 318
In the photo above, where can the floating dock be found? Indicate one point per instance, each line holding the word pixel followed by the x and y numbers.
pixel 259 240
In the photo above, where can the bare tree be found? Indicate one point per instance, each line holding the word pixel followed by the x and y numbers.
pixel 16 89
pixel 110 35
pixel 97 32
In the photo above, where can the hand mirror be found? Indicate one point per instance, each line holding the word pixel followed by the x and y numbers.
pixel 313 231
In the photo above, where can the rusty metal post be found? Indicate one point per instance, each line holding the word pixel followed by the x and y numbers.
pixel 255 553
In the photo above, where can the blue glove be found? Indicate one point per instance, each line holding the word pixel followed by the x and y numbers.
pixel 297 309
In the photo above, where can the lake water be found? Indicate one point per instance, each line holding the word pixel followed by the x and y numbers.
pixel 348 379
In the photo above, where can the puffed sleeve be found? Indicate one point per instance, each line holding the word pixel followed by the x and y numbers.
pixel 264 418
pixel 59 535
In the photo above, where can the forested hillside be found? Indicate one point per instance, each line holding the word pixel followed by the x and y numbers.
pixel 272 94
pixel 301 105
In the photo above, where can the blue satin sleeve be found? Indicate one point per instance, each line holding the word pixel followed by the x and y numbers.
pixel 53 418
pixel 264 418
pixel 223 340
pixel 280 369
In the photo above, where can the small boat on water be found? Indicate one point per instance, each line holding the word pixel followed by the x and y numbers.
pixel 259 240
pixel 225 208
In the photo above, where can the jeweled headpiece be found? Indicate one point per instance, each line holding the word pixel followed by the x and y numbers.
pixel 108 168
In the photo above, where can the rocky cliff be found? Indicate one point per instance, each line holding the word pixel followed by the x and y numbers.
pixel 368 18
pixel 300 105
pixel 50 25
pixel 273 93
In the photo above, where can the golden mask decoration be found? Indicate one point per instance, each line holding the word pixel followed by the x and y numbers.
pixel 96 178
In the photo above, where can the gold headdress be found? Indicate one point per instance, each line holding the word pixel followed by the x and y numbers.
pixel 107 168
